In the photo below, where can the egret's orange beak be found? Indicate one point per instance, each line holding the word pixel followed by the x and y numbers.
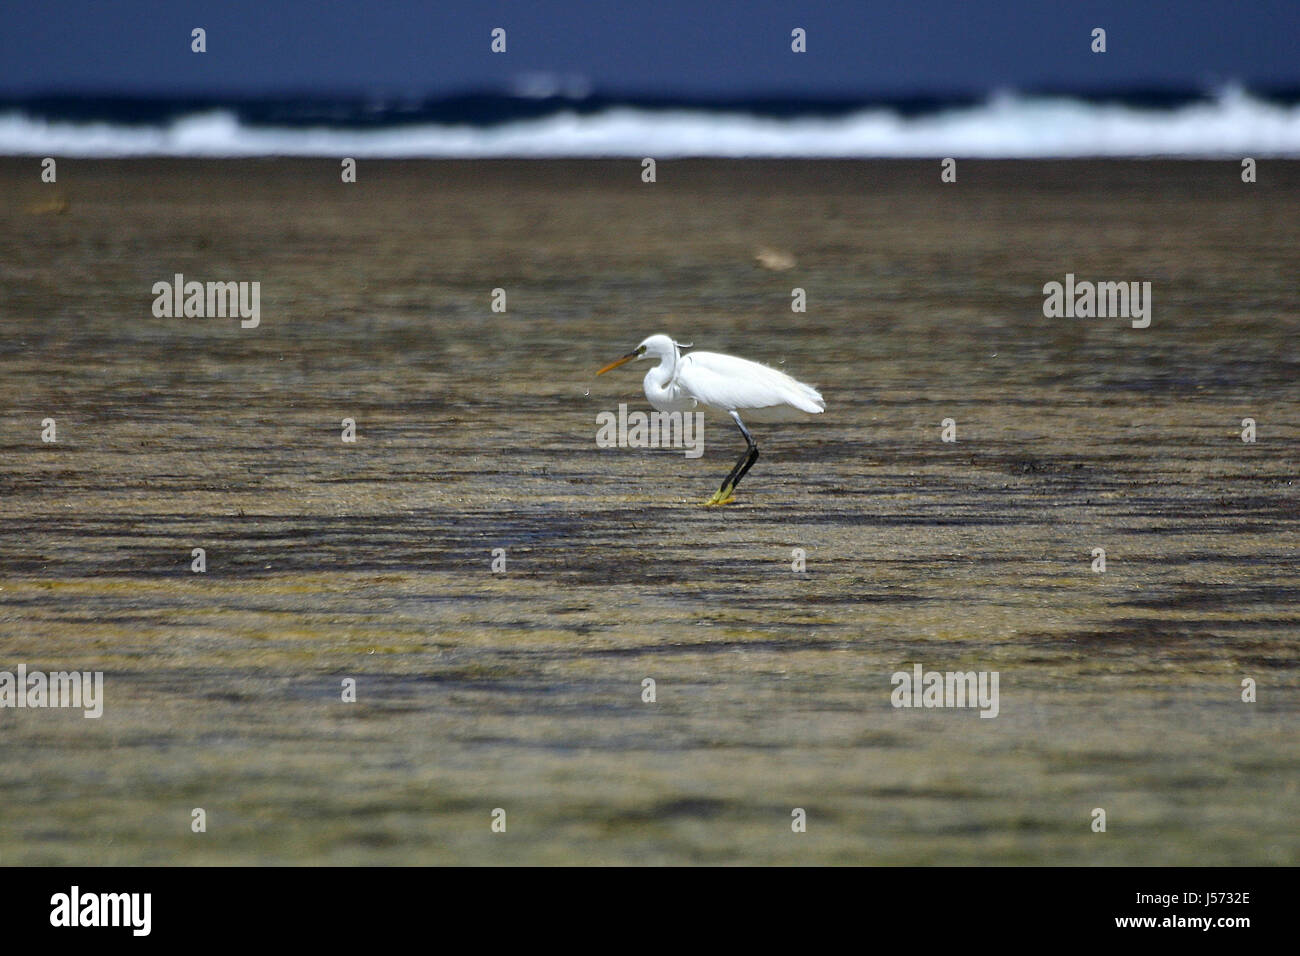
pixel 621 361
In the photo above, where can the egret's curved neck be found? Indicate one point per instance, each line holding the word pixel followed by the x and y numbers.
pixel 662 374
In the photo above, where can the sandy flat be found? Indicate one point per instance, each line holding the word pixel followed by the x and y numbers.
pixel 476 430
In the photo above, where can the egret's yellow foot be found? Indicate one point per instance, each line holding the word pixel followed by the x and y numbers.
pixel 720 497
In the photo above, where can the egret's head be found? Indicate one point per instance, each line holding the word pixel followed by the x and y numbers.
pixel 656 346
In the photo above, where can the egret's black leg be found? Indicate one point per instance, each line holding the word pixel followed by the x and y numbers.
pixel 753 452
pixel 724 494
pixel 730 481
pixel 753 457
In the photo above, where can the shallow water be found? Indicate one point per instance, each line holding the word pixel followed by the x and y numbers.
pixel 476 431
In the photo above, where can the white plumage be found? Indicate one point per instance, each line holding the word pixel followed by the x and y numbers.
pixel 723 384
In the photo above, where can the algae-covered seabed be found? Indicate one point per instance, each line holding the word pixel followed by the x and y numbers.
pixel 476 431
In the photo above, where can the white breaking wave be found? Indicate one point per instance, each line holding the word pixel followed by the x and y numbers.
pixel 1008 126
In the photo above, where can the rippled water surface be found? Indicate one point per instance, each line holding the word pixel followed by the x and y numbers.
pixel 476 431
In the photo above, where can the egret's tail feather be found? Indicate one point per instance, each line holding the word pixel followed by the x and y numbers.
pixel 810 400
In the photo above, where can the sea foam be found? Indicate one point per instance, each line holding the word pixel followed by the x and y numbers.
pixel 1232 124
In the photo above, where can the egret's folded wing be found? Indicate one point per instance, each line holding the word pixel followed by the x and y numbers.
pixel 728 382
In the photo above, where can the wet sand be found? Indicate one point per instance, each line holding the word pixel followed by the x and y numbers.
pixel 476 431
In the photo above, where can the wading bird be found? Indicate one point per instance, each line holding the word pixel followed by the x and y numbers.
pixel 723 384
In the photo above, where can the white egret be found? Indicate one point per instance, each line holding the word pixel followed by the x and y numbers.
pixel 723 384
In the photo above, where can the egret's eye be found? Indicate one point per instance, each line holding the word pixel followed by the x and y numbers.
pixel 640 350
